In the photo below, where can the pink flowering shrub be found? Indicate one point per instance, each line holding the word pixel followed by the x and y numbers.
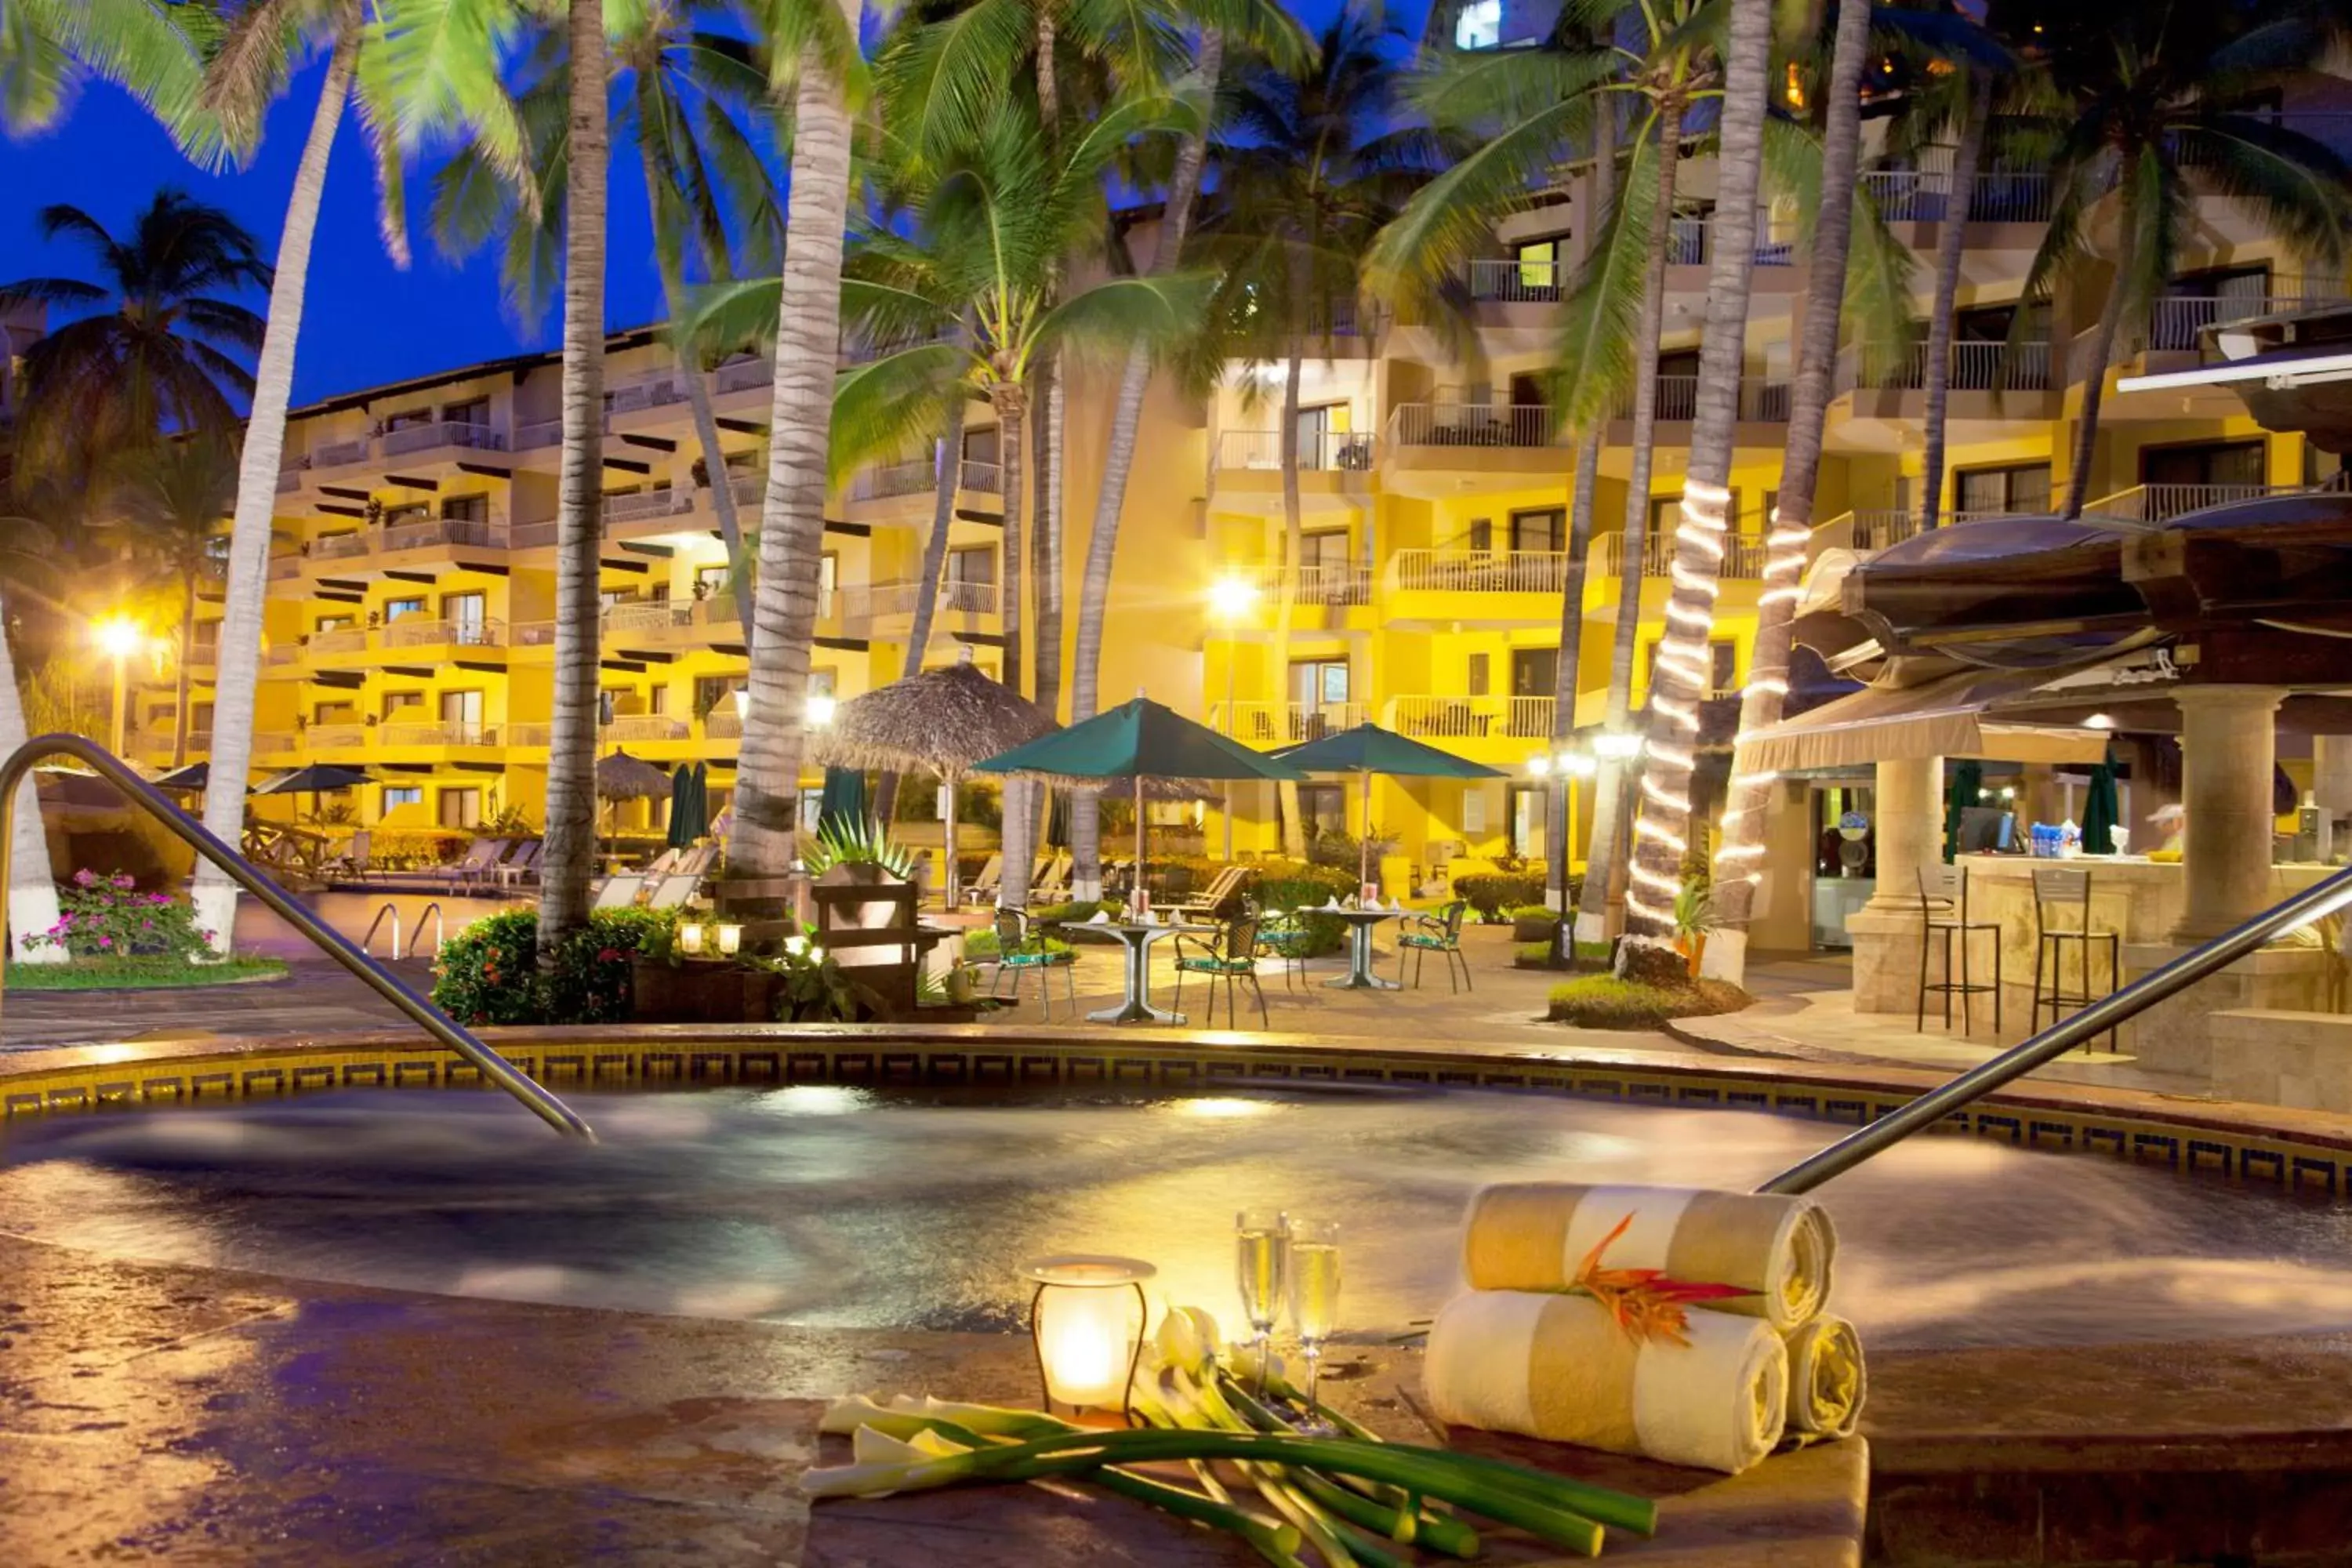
pixel 108 917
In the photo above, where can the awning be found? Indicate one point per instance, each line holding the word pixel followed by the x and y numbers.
pixel 1945 717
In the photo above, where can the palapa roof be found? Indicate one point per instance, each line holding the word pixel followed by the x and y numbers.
pixel 943 719
pixel 624 777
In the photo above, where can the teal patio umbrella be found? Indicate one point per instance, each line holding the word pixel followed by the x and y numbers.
pixel 1138 740
pixel 844 800
pixel 1367 750
pixel 2100 811
pixel 689 805
pixel 1968 784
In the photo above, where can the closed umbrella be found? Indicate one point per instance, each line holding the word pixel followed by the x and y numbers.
pixel 844 800
pixel 699 808
pixel 1138 740
pixel 1367 750
pixel 681 808
pixel 1968 785
pixel 2101 811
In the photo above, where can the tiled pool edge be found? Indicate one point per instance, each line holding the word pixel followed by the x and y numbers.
pixel 2261 1144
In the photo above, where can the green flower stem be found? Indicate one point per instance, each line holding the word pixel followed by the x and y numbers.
pixel 1449 1536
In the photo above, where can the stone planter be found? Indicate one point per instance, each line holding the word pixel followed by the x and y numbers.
pixel 1545 929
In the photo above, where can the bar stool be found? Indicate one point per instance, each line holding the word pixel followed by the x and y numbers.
pixel 2055 888
pixel 1944 911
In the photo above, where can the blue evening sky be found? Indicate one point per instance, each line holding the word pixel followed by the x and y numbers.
pixel 367 321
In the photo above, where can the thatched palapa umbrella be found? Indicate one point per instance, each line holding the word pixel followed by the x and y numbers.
pixel 943 720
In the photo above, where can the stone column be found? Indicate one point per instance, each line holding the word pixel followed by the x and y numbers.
pixel 1908 822
pixel 2331 773
pixel 2229 749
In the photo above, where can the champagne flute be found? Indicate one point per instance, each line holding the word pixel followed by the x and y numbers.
pixel 1261 1258
pixel 1313 1281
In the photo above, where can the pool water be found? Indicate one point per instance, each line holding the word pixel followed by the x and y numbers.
pixel 853 1207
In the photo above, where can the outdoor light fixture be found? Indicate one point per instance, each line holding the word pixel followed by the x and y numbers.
pixel 1576 765
pixel 118 637
pixel 730 941
pixel 1232 597
pixel 819 709
pixel 1085 1324
pixel 742 701
pixel 690 939
pixel 1540 765
pixel 2099 721
pixel 1619 745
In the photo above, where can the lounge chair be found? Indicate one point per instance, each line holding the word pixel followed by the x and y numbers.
pixel 522 865
pixel 476 862
pixel 1052 885
pixel 672 891
pixel 1214 903
pixel 351 861
pixel 618 893
pixel 665 862
pixel 983 888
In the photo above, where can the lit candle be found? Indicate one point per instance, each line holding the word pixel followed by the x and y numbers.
pixel 1088 1321
pixel 690 939
pixel 730 940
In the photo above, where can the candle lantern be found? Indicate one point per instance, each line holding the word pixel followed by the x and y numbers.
pixel 690 939
pixel 730 940
pixel 1086 1324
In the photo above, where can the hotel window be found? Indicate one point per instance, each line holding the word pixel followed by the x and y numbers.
pixel 473 411
pixel 463 709
pixel 1324 547
pixel 1480 677
pixel 2023 487
pixel 1666 516
pixel 397 609
pixel 1539 264
pixel 465 509
pixel 657 700
pixel 468 617
pixel 333 623
pixel 1480 539
pixel 1479 24
pixel 336 712
pixel 713 579
pixel 1544 531
pixel 459 807
pixel 397 702
pixel 200 718
pixel 715 691
pixel 2204 463
pixel 1323 808
pixel 1723 667
pixel 397 795
pixel 402 516
pixel 976 563
pixel 821 682
pixel 408 419
pixel 981 445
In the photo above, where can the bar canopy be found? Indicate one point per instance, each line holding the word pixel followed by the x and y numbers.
pixel 1950 716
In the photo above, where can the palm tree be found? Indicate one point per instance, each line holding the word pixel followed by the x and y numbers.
pixel 1680 681
pixel 157 349
pixel 252 65
pixel 819 44
pixel 146 47
pixel 169 503
pixel 1308 174
pixel 29 508
pixel 688 96
pixel 1791 524
pixel 2144 114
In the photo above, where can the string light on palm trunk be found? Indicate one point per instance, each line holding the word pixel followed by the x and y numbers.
pixel 1741 844
pixel 1683 660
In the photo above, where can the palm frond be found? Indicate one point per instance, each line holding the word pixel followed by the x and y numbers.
pixel 1592 358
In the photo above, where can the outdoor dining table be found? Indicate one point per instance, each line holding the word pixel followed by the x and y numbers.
pixel 1138 936
pixel 1359 976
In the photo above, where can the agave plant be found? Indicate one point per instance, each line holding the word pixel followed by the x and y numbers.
pixel 859 841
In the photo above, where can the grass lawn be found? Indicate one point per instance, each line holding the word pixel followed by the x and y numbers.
pixel 139 973
pixel 1605 1002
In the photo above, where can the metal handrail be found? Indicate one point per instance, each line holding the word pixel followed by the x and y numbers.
pixel 439 927
pixel 245 875
pixel 2316 902
pixel 367 942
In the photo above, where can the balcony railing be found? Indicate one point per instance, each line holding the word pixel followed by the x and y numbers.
pixel 534 634
pixel 335 737
pixel 486 535
pixel 1330 583
pixel 643 616
pixel 1509 281
pixel 1526 424
pixel 967 598
pixel 656 391
pixel 433 433
pixel 722 722
pixel 981 479
pixel 914 475
pixel 647 727
pixel 1760 401
pixel 1925 195
pixel 543 433
pixel 337 454
pixel 273 743
pixel 743 375
pixel 2179 321
pixel 2160 503
pixel 1743 555
pixel 431 631
pixel 1460 717
pixel 1322 450
pixel 1482 570
pixel 664 500
pixel 285 653
pixel 447 733
pixel 1690 242
pixel 341 639
pixel 1975 367
pixel 1284 723
pixel 290 478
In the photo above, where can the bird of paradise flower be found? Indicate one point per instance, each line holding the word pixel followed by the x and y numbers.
pixel 1644 1303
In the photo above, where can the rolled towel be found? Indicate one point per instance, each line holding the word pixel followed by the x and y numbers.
pixel 1533 1235
pixel 1560 1368
pixel 1827 1380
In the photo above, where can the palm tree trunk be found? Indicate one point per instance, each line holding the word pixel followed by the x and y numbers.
pixel 1951 244
pixel 569 862
pixel 1584 493
pixel 1046 539
pixel 1682 668
pixel 1119 461
pixel 1293 546
pixel 2094 387
pixel 926 589
pixel 706 422
pixel 1018 827
pixel 1598 910
pixel 1790 529
pixel 792 526
pixel 237 679
pixel 32 882
pixel 187 646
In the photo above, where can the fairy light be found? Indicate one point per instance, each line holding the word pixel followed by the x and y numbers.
pixel 1739 850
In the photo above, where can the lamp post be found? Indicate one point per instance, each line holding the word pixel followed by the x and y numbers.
pixel 117 637
pixel 1567 766
pixel 1230 599
pixel 1617 749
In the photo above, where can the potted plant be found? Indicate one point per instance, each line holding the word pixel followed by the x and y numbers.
pixel 1534 922
pixel 1694 918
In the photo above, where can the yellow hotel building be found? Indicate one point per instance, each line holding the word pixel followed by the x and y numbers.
pixel 409 624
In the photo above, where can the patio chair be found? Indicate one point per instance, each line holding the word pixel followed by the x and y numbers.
pixel 618 893
pixel 352 861
pixel 1217 902
pixel 1438 932
pixel 476 861
pixel 522 865
pixel 1282 934
pixel 1230 956
pixel 1018 954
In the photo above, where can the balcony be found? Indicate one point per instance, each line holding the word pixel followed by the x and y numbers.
pixel 1332 585
pixel 641 728
pixel 1322 451
pixel 285 653
pixel 2178 322
pixel 960 598
pixel 341 640
pixel 1924 195
pixel 1284 723
pixel 647 506
pixel 433 631
pixel 1461 717
pixel 1690 242
pixel 981 479
pixel 338 737
pixel 426 533
pixel 723 723
pixel 448 733
pixel 289 475
pixel 541 434
pixel 1761 401
pixel 1513 282
pixel 437 434
pixel 274 743
pixel 1524 426
pixel 1975 367
pixel 912 475
pixel 1743 557
pixel 341 454
pixel 2161 503
pixel 1455 571
pixel 662 389
pixel 741 376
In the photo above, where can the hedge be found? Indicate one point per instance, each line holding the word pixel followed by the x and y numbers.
pixel 1492 892
pixel 490 973
pixel 1605 1002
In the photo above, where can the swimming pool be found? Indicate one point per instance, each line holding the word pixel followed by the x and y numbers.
pixel 846 1206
